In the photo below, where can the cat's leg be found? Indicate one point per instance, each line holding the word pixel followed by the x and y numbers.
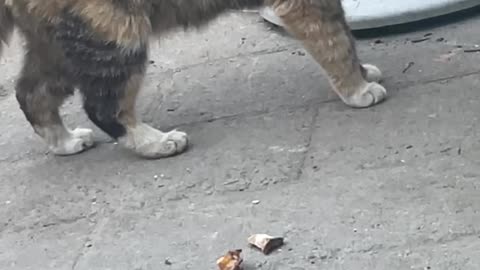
pixel 321 26
pixel 108 63
pixel 110 104
pixel 40 92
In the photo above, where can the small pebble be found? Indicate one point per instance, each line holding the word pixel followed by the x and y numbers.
pixel 255 202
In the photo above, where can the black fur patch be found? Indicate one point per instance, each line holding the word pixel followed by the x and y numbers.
pixel 101 105
pixel 100 68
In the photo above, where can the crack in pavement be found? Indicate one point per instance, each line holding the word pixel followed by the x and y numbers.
pixel 91 237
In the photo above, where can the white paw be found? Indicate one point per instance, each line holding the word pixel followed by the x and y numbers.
pixel 179 138
pixel 85 133
pixel 152 143
pixel 74 142
pixel 370 95
pixel 373 73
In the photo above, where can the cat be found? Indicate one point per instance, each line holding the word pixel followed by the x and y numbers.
pixel 100 47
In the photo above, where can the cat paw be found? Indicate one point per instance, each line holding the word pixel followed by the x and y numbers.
pixel 372 73
pixel 77 141
pixel 369 95
pixel 153 144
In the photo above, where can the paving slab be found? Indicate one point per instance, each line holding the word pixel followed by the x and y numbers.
pixel 55 245
pixel 371 196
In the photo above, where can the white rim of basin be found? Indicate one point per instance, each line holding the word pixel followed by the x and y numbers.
pixel 365 14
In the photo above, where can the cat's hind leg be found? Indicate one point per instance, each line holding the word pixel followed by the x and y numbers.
pixel 321 26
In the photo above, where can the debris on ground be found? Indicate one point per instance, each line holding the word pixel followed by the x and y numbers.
pixel 471 50
pixel 425 37
pixel 444 58
pixel 408 66
pixel 265 242
pixel 418 40
pixel 231 260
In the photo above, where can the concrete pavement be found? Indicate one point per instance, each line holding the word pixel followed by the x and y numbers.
pixel 390 187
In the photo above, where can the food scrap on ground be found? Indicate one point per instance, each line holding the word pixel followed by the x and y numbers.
pixel 265 242
pixel 231 260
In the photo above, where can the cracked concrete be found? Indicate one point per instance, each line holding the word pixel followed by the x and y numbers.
pixel 390 187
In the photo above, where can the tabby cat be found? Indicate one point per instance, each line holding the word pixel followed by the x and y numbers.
pixel 101 47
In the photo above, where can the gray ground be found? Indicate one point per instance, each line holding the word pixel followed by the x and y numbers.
pixel 391 187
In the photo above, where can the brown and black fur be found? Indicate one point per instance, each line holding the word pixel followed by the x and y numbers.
pixel 101 48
